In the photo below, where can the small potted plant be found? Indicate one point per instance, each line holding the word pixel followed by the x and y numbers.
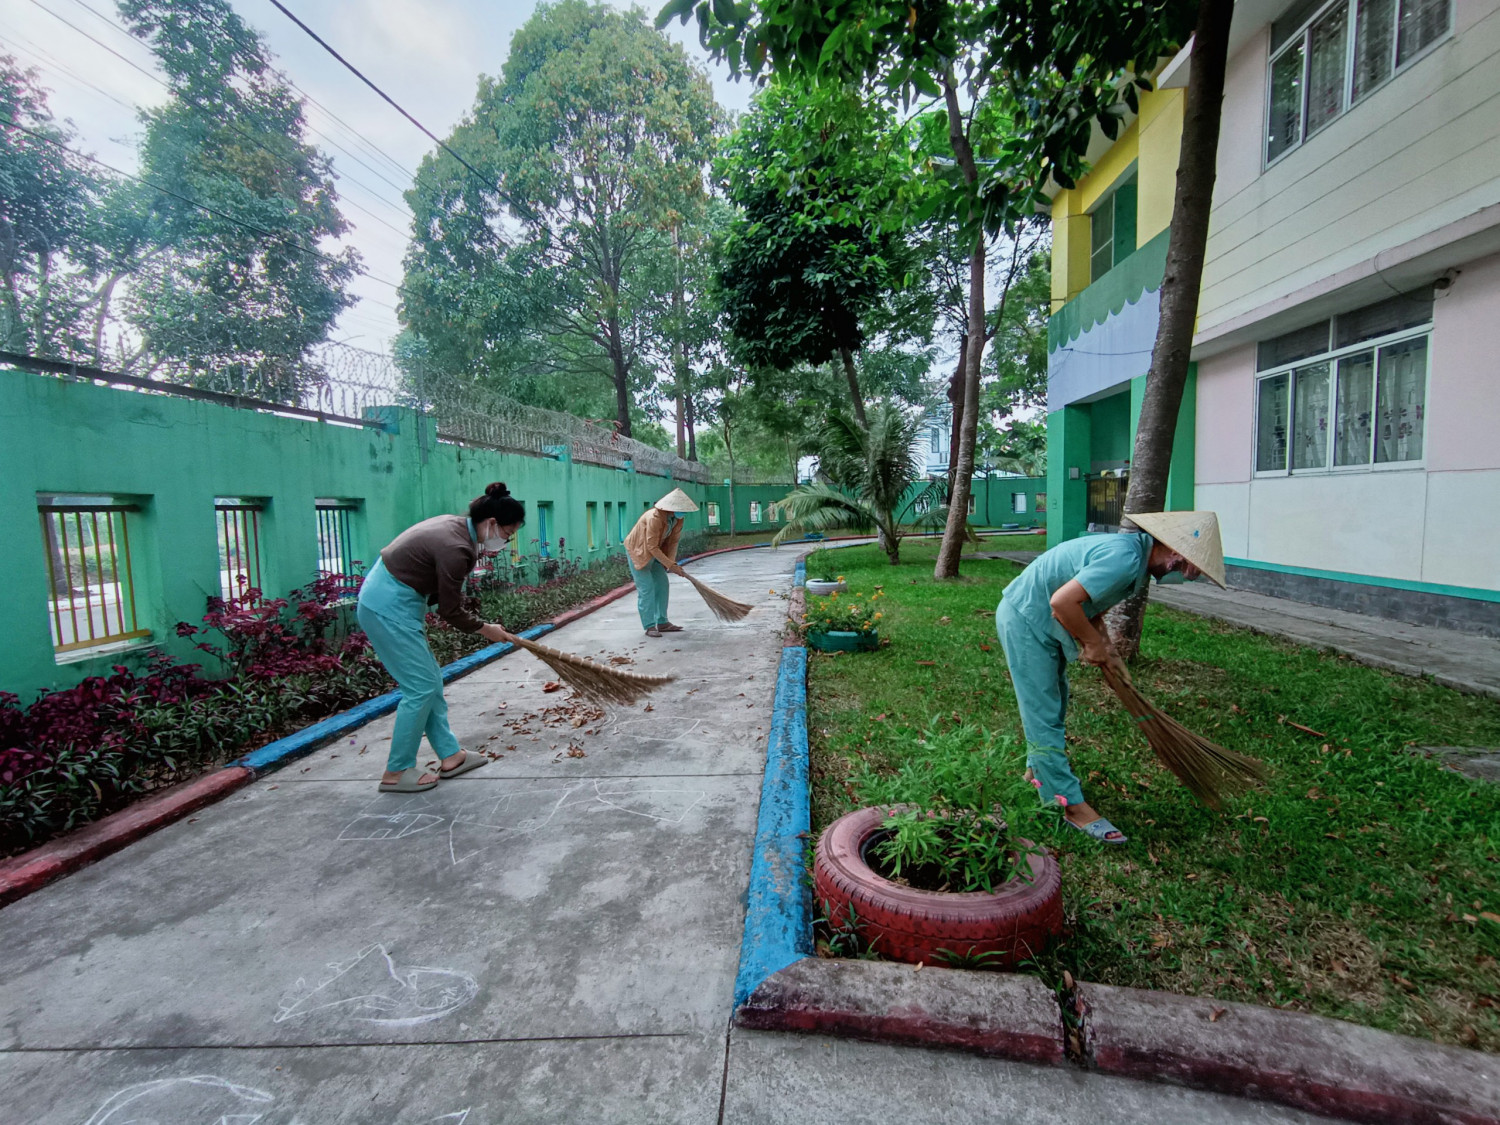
pixel 936 869
pixel 839 623
pixel 826 583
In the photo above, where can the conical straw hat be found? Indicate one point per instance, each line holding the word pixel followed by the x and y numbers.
pixel 1193 535
pixel 677 501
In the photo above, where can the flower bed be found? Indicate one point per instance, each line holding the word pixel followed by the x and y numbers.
pixel 72 756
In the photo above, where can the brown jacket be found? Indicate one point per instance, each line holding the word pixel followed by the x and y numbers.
pixel 434 558
pixel 649 539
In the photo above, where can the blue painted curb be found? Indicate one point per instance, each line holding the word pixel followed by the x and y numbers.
pixel 778 908
pixel 276 754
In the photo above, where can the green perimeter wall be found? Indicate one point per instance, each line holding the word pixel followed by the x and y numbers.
pixel 173 456
pixel 1104 430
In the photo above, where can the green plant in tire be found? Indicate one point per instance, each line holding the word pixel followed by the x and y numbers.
pixel 963 811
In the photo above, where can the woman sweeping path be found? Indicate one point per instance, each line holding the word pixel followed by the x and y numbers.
pixel 1051 614
pixel 427 563
pixel 652 549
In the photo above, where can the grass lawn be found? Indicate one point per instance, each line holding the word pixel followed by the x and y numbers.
pixel 1362 883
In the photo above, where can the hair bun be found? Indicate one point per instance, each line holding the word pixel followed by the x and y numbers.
pixel 497 490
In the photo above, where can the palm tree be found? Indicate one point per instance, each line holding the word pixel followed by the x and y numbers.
pixel 871 468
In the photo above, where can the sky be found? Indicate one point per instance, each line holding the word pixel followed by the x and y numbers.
pixel 426 54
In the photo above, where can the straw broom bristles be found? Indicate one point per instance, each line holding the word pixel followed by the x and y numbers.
pixel 598 682
pixel 724 608
pixel 1208 770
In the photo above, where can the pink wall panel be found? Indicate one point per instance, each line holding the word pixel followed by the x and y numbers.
pixel 1463 389
pixel 1226 419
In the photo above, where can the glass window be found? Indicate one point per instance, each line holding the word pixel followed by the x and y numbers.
pixel 1327 42
pixel 1285 126
pixel 713 514
pixel 755 511
pixel 1352 420
pixel 937 437
pixel 1310 62
pixel 1374 44
pixel 1310 417
pixel 1401 401
pixel 1423 22
pixel 1271 424
pixel 1018 503
pixel 1101 240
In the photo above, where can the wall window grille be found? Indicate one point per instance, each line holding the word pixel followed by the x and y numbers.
pixel 589 512
pixel 1361 400
pixel 1326 57
pixel 1112 228
pixel 543 530
pixel 238 520
pixel 336 535
pixel 621 513
pixel 609 516
pixel 90 585
pixel 713 514
pixel 755 511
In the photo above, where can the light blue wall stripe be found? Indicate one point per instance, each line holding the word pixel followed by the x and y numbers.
pixel 1473 592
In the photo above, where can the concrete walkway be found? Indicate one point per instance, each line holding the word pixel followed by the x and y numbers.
pixel 1463 661
pixel 551 939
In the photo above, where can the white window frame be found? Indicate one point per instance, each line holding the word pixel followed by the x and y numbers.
pixel 1332 358
pixel 1347 98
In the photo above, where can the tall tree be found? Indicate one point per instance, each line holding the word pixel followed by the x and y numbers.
pixel 1052 68
pixel 592 142
pixel 45 194
pixel 242 290
pixel 817 174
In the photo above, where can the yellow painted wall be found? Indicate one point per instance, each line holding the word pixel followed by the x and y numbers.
pixel 1152 142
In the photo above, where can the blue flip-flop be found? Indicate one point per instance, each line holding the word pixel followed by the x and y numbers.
pixel 1100 830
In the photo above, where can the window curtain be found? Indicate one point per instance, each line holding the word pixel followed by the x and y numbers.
pixel 1401 401
pixel 1353 419
pixel 1310 418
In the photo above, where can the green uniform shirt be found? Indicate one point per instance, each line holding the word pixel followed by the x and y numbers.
pixel 1110 568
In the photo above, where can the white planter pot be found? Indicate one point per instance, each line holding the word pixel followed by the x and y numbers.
pixel 817 588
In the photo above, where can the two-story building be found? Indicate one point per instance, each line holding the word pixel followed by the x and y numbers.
pixel 1342 414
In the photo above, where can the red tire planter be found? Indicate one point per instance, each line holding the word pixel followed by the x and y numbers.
pixel 933 927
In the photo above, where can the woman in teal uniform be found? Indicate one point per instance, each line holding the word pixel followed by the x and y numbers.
pixel 1052 613
pixel 429 562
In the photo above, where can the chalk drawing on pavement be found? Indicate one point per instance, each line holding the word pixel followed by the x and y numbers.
pixel 200 1099
pixel 388 826
pixel 649 802
pixel 371 989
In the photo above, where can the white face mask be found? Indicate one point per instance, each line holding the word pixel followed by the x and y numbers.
pixel 495 543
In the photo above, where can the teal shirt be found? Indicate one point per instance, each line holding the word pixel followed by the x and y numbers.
pixel 1110 568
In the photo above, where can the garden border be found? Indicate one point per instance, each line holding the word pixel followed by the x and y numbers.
pixel 1310 1062
pixel 30 871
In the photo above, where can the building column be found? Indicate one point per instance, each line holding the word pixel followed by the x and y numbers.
pixel 1068 445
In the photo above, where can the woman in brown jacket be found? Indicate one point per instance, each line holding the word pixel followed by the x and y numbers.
pixel 651 547
pixel 429 562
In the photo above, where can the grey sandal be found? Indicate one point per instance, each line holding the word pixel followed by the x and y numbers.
pixel 410 781
pixel 472 761
pixel 1100 830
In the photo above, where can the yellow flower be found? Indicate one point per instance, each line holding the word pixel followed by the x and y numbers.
pixel 878 616
pixel 840 578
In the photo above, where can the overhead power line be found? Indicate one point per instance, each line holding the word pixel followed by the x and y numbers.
pixel 446 147
pixel 288 239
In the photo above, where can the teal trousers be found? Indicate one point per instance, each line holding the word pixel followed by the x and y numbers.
pixel 1039 673
pixel 393 616
pixel 651 589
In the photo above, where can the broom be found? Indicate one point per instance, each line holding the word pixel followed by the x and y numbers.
pixel 724 608
pixel 1208 770
pixel 598 682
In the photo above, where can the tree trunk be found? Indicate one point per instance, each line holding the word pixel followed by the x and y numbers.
pixel 956 402
pixel 853 377
pixel 954 533
pixel 729 452
pixel 621 375
pixel 679 350
pixel 692 436
pixel 1197 167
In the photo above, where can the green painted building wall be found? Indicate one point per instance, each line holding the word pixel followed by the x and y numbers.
pixel 171 457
